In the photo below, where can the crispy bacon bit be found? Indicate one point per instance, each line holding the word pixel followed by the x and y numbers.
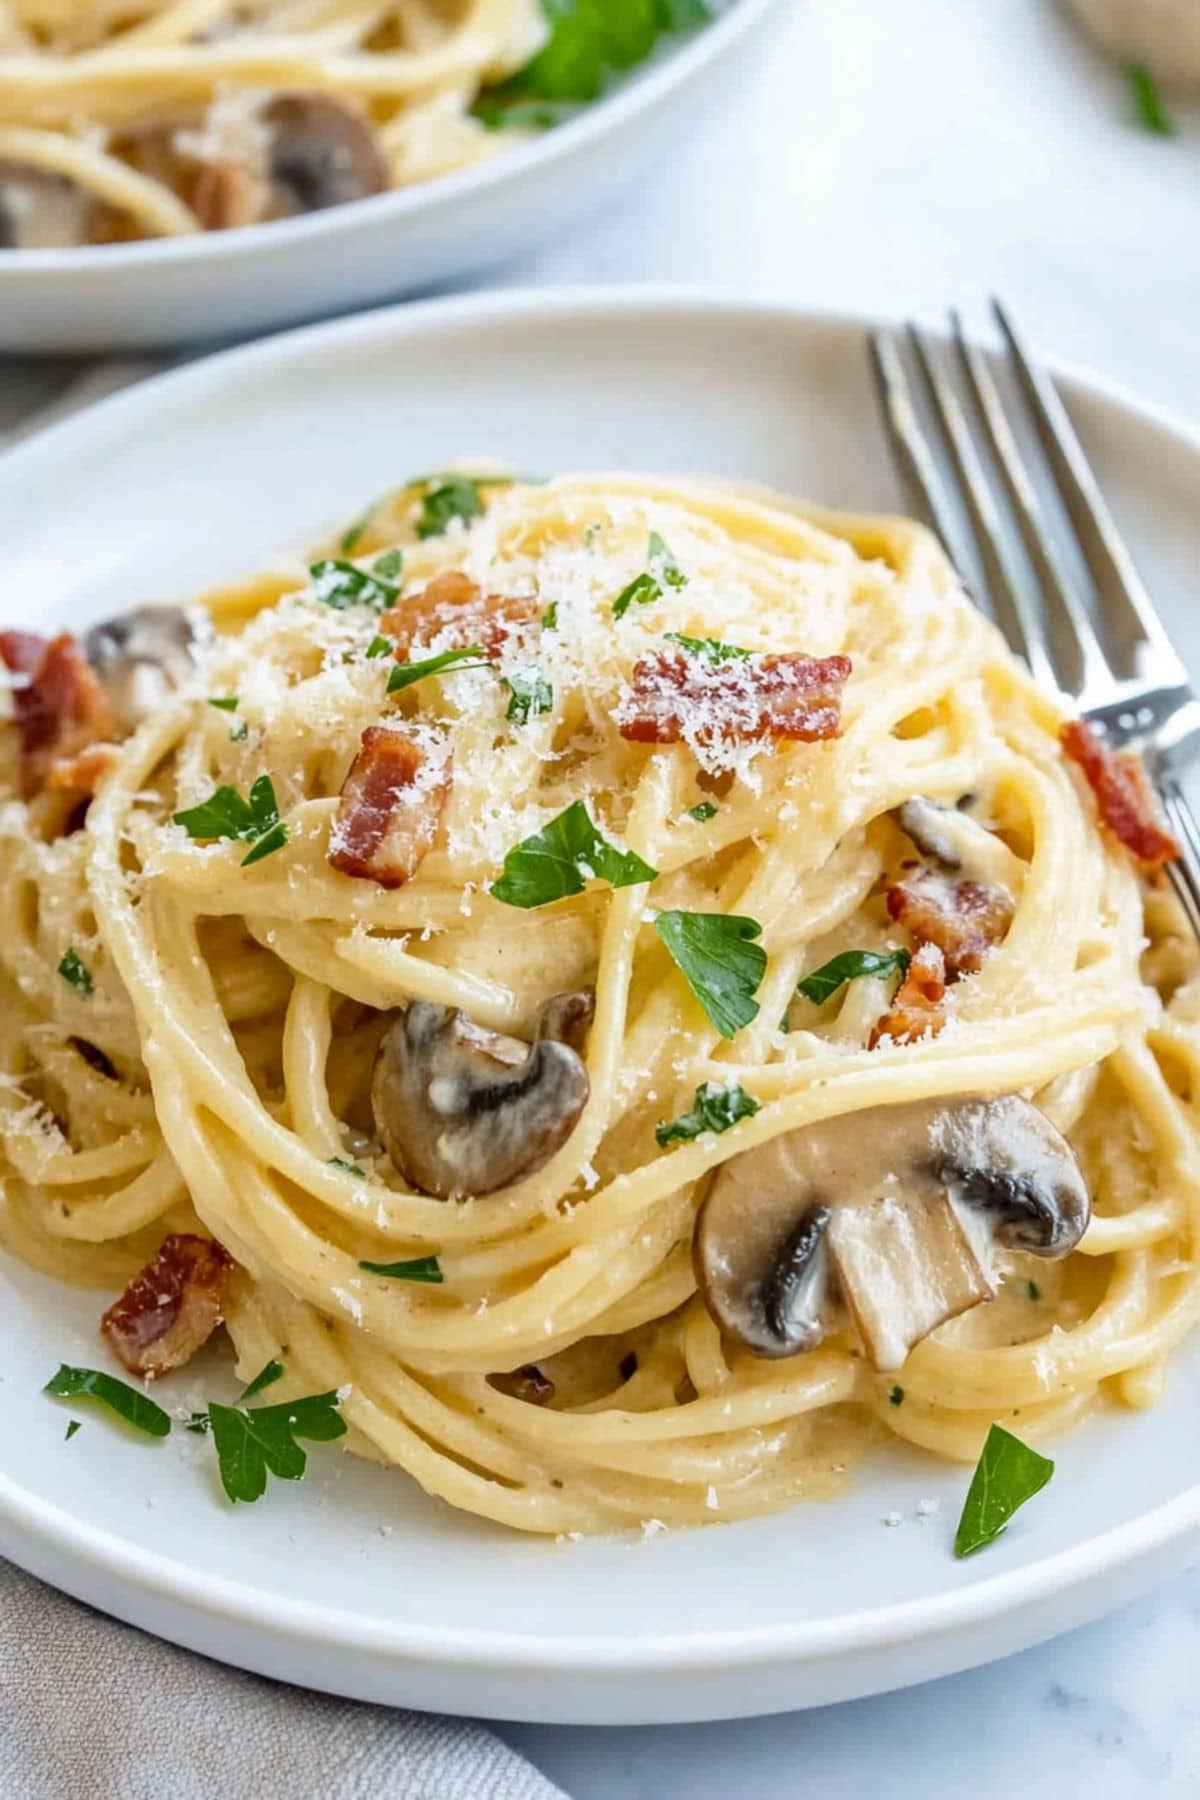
pixel 171 1308
pixel 738 700
pixel 59 706
pixel 527 1383
pixel 82 774
pixel 916 1009
pixel 456 612
pixel 965 919
pixel 1124 798
pixel 391 807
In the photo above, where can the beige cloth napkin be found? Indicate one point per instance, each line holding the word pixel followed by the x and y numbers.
pixel 93 1710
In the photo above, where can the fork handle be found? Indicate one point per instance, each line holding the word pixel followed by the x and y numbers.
pixel 1185 870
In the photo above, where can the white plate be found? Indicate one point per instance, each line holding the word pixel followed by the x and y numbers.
pixel 192 478
pixel 222 285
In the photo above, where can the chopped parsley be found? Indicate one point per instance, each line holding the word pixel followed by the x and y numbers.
pixel 73 1425
pixel 717 1108
pixel 389 565
pixel 703 812
pixel 379 646
pixel 559 859
pixel 471 656
pixel 226 815
pixel 1032 1291
pixel 129 1403
pixel 446 498
pixel 267 1376
pixel 719 961
pixel 587 41
pixel 253 1441
pixel 342 584
pixel 239 733
pixel 851 965
pixel 225 702
pixel 421 1268
pixel 641 591
pixel 896 1396
pixel 712 649
pixel 350 1168
pixel 76 973
pixel 647 587
pixel 549 619
pixel 1007 1475
pixel 529 696
pixel 663 563
pixel 1150 109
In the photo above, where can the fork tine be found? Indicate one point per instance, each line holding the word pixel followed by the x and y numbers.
pixel 911 446
pixel 1075 632
pixel 1127 605
pixel 1020 623
pixel 1183 871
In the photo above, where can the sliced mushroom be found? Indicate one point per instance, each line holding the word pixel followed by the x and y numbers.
pixel 949 836
pixel 42 211
pixel 304 152
pixel 461 1110
pixel 890 1217
pixel 142 657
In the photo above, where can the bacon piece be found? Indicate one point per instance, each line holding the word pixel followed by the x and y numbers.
pixel 82 774
pixel 391 807
pixel 916 1009
pixel 171 1308
pixel 59 706
pixel 455 607
pixel 740 699
pixel 965 919
pixel 1124 797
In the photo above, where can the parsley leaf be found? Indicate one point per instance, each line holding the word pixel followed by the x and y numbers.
pixel 1032 1291
pixel 557 861
pixel 549 619
pixel 350 1168
pixel 710 648
pixel 404 674
pixel 588 39
pixel 127 1402
pixel 530 695
pixel 662 559
pixel 250 1441
pixel 379 646
pixel 421 1268
pixel 73 1425
pixel 719 962
pixel 76 973
pixel 641 591
pixel 225 703
pixel 1007 1475
pixel 266 1377
pixel 226 815
pixel 1149 107
pixel 239 733
pixel 389 565
pixel 446 498
pixel 717 1107
pixel 343 584
pixel 896 1396
pixel 824 982
pixel 703 812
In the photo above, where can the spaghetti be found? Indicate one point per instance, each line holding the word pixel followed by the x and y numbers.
pixel 273 999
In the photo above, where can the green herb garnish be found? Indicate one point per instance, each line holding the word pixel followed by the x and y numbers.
pixel 404 674
pixel 446 498
pixel 76 973
pixel 239 733
pixel 225 703
pixel 851 965
pixel 350 1168
pixel 703 812
pixel 896 1396
pixel 252 1441
pixel 380 646
pixel 1007 1475
pixel 663 563
pixel 717 1108
pixel 559 859
pixel 1149 107
pixel 389 565
pixel 226 815
pixel 549 619
pixel 719 961
pixel 127 1402
pixel 529 696
pixel 641 591
pixel 343 584
pixel 1032 1290
pixel 267 1376
pixel 712 649
pixel 73 1425
pixel 421 1268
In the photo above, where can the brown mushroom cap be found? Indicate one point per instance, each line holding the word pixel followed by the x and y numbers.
pixel 890 1214
pixel 461 1110
pixel 308 152
pixel 142 657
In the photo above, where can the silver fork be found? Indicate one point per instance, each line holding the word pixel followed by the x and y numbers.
pixel 1108 653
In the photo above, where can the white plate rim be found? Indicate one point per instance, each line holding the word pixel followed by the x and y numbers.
pixel 1134 1543
pixel 645 90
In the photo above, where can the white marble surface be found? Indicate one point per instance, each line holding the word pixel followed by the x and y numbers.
pixel 894 155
